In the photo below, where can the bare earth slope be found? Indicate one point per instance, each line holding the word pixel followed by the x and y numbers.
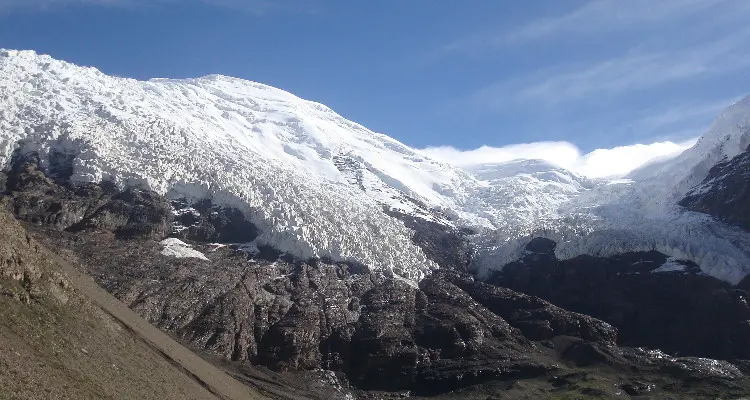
pixel 63 337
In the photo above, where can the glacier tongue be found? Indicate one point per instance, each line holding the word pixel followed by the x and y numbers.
pixel 316 184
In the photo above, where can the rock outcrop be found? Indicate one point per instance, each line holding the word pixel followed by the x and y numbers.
pixel 725 192
pixel 677 309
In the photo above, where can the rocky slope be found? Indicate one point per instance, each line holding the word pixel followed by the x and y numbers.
pixel 379 335
pixel 285 313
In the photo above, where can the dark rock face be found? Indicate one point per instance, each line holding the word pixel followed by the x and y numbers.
pixel 44 198
pixel 681 312
pixel 39 199
pixel 536 318
pixel 448 247
pixel 287 314
pixel 744 284
pixel 382 333
pixel 205 222
pixel 130 214
pixel 725 193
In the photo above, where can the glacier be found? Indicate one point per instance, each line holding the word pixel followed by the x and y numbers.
pixel 318 185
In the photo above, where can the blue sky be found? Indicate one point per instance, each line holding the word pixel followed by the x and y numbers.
pixel 594 73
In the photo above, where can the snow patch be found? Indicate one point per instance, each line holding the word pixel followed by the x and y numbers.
pixel 174 247
pixel 671 265
pixel 217 246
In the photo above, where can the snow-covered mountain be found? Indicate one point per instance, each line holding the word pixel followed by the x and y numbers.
pixel 725 193
pixel 319 185
pixel 518 195
pixel 642 212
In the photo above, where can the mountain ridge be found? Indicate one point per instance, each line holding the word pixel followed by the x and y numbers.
pixel 319 186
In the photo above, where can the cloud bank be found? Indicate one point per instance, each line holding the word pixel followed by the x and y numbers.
pixel 600 163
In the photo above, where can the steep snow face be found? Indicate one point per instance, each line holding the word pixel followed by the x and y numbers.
pixel 522 195
pixel 664 184
pixel 239 143
pixel 725 193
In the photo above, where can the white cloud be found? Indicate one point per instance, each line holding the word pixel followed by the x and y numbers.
pixel 619 161
pixel 558 153
pixel 600 163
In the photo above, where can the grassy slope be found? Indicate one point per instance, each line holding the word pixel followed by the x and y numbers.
pixel 58 342
pixel 75 351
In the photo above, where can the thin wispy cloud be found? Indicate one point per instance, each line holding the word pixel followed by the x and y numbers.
pixel 692 113
pixel 636 70
pixel 595 17
pixel 268 6
pixel 640 71
pixel 636 60
pixel 612 15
